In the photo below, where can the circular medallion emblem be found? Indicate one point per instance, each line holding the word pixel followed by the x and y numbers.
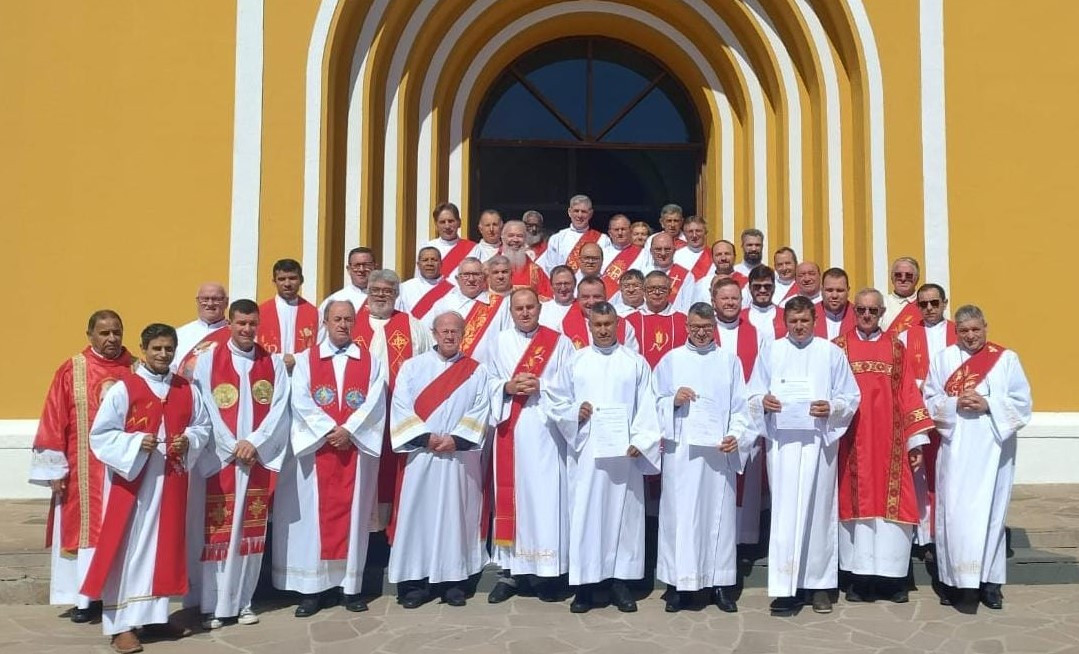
pixel 354 399
pixel 225 395
pixel 324 396
pixel 262 391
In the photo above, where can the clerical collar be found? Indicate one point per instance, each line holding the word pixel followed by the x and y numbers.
pixel 291 303
pixel 694 250
pixel 803 344
pixel 869 337
pixel 146 373
pixel 573 228
pixel 665 311
pixel 103 357
pixel 327 349
pixel 701 349
pixel 723 324
pixel 450 359
pixel 361 290
pixel 605 350
pixel 489 244
pixel 213 325
pixel 527 334
pixel 453 242
pixel 250 354
pixel 905 300
pixel 939 322
pixel 765 309
pixel 836 317
pixel 432 282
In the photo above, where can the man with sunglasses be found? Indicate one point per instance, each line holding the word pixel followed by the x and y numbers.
pixel 762 313
pixel 901 308
pixel 878 507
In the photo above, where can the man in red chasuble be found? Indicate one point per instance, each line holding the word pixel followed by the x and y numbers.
pixel 878 509
pixel 658 327
pixel 525 273
pixel 288 323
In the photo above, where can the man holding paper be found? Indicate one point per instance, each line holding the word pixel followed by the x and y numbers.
pixel 805 394
pixel 613 435
pixel 708 433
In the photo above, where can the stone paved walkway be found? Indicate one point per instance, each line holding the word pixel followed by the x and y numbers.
pixel 1037 619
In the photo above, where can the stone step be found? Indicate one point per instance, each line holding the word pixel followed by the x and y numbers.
pixel 1050 538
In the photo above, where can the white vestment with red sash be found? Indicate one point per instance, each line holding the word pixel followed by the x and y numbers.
pixel 684 287
pixel 229 498
pixel 531 520
pixel 453 252
pixel 785 290
pixel 552 313
pixel 436 527
pixel 351 293
pixel 325 496
pixel 976 462
pixel 414 290
pixel 564 247
pixel 697 513
pixel 485 316
pixel 900 313
pixel 606 496
pixel 287 328
pixel 575 328
pixel 145 497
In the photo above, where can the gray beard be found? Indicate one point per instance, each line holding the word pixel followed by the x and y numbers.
pixel 518 258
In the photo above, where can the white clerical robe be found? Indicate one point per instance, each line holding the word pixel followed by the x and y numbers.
pixel 893 306
pixel 561 244
pixel 975 467
pixel 297 560
pixel 802 472
pixel 437 534
pixel 611 252
pixel 458 302
pixel 763 318
pixel 225 587
pixel 413 290
pixel 444 247
pixel 552 314
pixel 484 250
pixel 607 494
pixel 127 595
pixel 541 542
pixel 190 335
pixel 354 294
pixel 744 268
pixel 697 518
pixel 622 308
pixel 689 292
pixel 783 287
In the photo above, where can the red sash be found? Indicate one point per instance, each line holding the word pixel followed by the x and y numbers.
pixel 437 292
pixel 620 264
pixel 335 470
pixel 820 327
pixel 746 346
pixel 477 321
pixel 908 316
pixel 398 333
pixel 534 360
pixel 538 249
pixel 918 347
pixel 971 373
pixel 791 292
pixel 457 253
pixel 532 276
pixel 574 258
pixel 778 326
pixel 269 332
pixel 217 337
pixel 429 399
pixel 575 327
pixel 740 278
pixel 666 333
pixel 221 486
pixel 703 266
pixel 145 414
pixel 677 274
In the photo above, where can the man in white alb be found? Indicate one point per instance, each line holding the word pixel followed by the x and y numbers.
pixel 419 294
pixel 785 262
pixel 564 247
pixel 211 300
pixel 490 228
pixel 564 288
pixel 448 241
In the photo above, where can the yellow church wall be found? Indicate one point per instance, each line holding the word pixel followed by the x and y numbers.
pixel 116 133
pixel 1013 161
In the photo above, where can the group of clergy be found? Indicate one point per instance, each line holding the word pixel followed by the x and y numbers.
pixel 528 402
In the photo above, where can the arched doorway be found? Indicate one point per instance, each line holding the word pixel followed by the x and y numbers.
pixel 586 115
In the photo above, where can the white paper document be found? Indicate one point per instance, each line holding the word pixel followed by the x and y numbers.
pixel 795 396
pixel 609 430
pixel 702 424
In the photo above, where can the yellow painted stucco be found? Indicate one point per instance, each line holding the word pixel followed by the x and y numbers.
pixel 117 141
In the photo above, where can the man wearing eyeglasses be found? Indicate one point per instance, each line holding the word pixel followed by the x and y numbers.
pixel 211 300
pixel 878 507
pixel 683 290
pixel 901 307
pixel 762 313
pixel 483 311
pixel 564 285
pixel 361 262
pixel 591 261
pixel 658 327
pixel 630 295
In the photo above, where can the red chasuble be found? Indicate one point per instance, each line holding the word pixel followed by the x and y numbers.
pixel 575 328
pixel 219 336
pixel 908 316
pixel 70 408
pixel 437 292
pixel 620 264
pixel 427 402
pixel 538 249
pixel 677 274
pixel 145 413
pixel 574 258
pixel 657 335
pixel 457 253
pixel 221 486
pixel 534 360
pixel 846 325
pixel 875 480
pixel 532 276
pixel 477 321
pixel 269 332
pixel 335 470
pixel 746 345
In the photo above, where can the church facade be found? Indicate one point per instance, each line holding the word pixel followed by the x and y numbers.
pixel 151 146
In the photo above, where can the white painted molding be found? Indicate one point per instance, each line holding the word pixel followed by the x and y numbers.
pixel 246 151
pixel 934 145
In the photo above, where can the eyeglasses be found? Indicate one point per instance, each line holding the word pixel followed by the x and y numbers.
pixel 631 286
pixel 656 290
pixel 363 265
pixel 591 258
pixel 380 292
pixel 925 304
pixel 873 311
pixel 700 329
pixel 761 287
pixel 472 275
pixel 903 276
pixel 211 300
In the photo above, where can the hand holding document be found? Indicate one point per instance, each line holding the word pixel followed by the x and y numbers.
pixel 609 427
pixel 795 395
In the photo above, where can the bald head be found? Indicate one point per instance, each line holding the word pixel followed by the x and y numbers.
pixel 591 259
pixel 663 249
pixel 807 276
pixel 211 301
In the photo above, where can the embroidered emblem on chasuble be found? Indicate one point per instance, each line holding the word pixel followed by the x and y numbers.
pixel 225 395
pixel 262 391
pixel 324 396
pixel 354 399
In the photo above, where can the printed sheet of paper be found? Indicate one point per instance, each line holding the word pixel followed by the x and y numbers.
pixel 609 430
pixel 701 426
pixel 795 395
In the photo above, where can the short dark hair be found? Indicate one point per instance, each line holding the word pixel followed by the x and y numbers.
pixel 800 303
pixel 562 268
pixel 425 249
pixel 363 249
pixel 836 273
pixel 762 272
pixel 244 306
pixel 446 206
pixel 930 287
pixel 703 310
pixel 157 330
pixel 786 250
pixel 287 265
pixel 102 314
pixel 590 279
pixel 632 273
pixel 603 308
pixel 656 274
pixel 720 282
pixel 752 231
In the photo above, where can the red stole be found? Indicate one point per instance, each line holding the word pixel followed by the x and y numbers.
pixel 907 317
pixel 437 292
pixel 677 274
pixel 657 334
pixel 221 486
pixel 217 337
pixel 335 470
pixel 620 264
pixel 740 278
pixel 457 253
pixel 269 331
pixel 477 321
pixel 791 292
pixel 778 326
pixel 703 266
pixel 575 328
pixel 427 401
pixel 918 347
pixel 398 333
pixel 533 360
pixel 574 258
pixel 746 345
pixel 971 373
pixel 532 276
pixel 846 325
pixel 538 249
pixel 145 414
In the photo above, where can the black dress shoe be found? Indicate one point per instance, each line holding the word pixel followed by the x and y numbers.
pixel 621 597
pixel 81 616
pixel 674 600
pixel 414 598
pixel 893 591
pixel 822 602
pixel 859 590
pixel 355 604
pixel 501 592
pixel 722 598
pixel 582 601
pixel 992 597
pixel 784 605
pixel 454 596
pixel 309 605
pixel 548 590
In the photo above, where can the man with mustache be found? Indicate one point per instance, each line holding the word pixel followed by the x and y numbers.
pixel 525 273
